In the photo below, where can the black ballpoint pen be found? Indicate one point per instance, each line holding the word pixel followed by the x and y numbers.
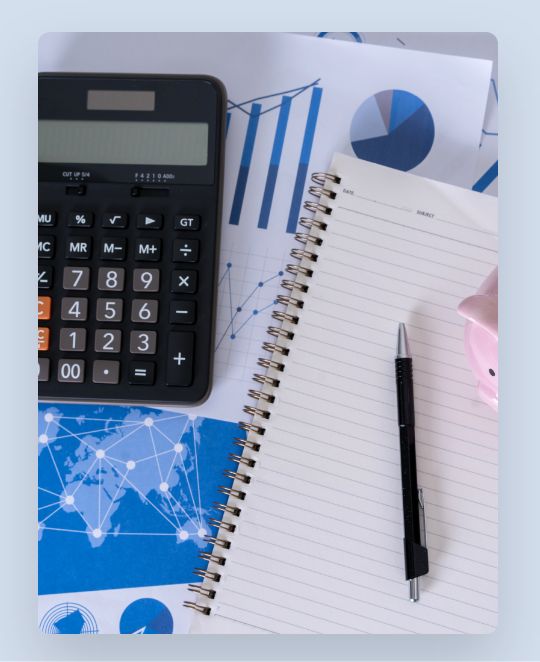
pixel 416 553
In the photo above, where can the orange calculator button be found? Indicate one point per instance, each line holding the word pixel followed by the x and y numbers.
pixel 44 308
pixel 43 339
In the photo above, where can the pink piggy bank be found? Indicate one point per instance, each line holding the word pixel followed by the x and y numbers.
pixel 482 337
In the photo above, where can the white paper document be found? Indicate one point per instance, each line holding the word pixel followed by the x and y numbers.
pixel 318 546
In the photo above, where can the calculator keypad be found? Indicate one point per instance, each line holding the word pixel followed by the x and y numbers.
pixel 142 312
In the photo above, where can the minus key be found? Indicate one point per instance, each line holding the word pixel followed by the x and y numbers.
pixel 182 312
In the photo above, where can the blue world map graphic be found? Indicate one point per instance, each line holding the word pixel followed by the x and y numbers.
pixel 125 494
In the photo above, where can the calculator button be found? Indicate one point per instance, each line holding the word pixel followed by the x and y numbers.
pixel 44 369
pixel 76 278
pixel 71 370
pixel 74 309
pixel 148 250
pixel 184 281
pixel 182 312
pixel 106 372
pixel 149 221
pixel 80 219
pixel 45 278
pixel 79 248
pixel 185 250
pixel 47 219
pixel 79 189
pixel 111 279
pixel 141 372
pixel 109 310
pixel 43 338
pixel 114 220
pixel 144 310
pixel 44 308
pixel 146 280
pixel 72 340
pixel 142 342
pixel 46 247
pixel 179 359
pixel 108 340
pixel 113 249
pixel 187 222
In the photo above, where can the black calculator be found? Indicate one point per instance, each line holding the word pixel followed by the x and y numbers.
pixel 130 189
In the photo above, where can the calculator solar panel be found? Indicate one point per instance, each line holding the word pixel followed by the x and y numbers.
pixel 130 184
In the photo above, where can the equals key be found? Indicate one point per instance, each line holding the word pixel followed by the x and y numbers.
pixel 182 312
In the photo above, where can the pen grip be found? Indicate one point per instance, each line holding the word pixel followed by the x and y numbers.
pixel 405 391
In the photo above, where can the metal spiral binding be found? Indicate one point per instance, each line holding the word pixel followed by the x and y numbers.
pixel 296 269
pixel 305 238
pixel 206 574
pixel 260 395
pixel 278 331
pixel 246 443
pixel 264 395
pixel 255 411
pixel 240 459
pixel 273 347
pixel 289 301
pixel 292 285
pixel 221 524
pixel 225 544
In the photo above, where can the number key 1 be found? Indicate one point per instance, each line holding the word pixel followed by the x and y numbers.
pixel 72 339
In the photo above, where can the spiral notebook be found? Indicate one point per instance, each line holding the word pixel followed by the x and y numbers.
pixel 311 537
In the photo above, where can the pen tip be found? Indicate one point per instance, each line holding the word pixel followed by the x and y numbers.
pixel 414 590
pixel 403 351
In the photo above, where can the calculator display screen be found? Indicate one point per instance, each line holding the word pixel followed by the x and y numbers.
pixel 123 142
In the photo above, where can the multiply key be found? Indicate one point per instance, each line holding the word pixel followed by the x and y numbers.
pixel 184 281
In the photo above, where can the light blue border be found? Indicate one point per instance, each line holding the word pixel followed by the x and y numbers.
pixel 515 24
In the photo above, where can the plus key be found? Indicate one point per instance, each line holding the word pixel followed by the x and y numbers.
pixel 180 359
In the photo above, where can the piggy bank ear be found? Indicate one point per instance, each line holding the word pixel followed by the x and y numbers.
pixel 481 309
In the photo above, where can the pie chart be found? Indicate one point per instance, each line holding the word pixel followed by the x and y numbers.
pixel 394 128
pixel 146 616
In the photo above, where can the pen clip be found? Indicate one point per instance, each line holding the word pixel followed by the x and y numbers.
pixel 422 517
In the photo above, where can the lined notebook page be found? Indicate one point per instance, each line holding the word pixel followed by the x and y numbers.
pixel 319 543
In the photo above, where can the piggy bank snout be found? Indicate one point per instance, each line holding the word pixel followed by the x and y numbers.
pixel 481 340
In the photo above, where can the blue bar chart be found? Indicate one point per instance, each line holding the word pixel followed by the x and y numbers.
pixel 305 154
pixel 245 164
pixel 487 178
pixel 265 114
pixel 274 162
